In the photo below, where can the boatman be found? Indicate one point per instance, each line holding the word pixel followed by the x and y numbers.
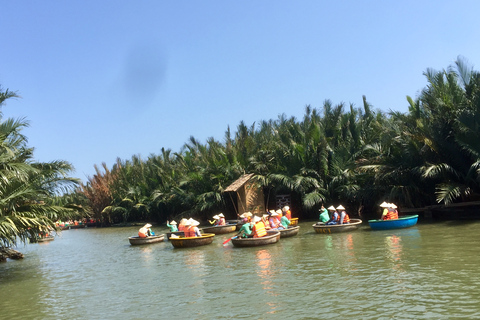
pixel 284 222
pixel 173 226
pixel 246 230
pixel 324 217
pixel 215 220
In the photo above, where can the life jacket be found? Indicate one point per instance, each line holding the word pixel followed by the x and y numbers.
pixel 346 219
pixel 338 218
pixel 259 230
pixel 222 222
pixel 391 214
pixel 142 233
pixel 289 215
pixel 181 227
pixel 273 222
pixel 189 231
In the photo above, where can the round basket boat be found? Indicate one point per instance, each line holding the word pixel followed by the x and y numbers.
pixel 290 232
pixel 188 242
pixel 270 238
pixel 320 227
pixel 403 222
pixel 220 229
pixel 152 239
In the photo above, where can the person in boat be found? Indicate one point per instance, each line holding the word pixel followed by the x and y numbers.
pixel 284 222
pixel 194 228
pixel 272 220
pixel 286 212
pixel 389 212
pixel 145 231
pixel 258 229
pixel 344 217
pixel 215 220
pixel 172 225
pixel 335 217
pixel 221 221
pixel 181 225
pixel 324 216
pixel 246 230
pixel 187 228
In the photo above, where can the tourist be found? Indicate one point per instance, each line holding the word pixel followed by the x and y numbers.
pixel 258 228
pixel 194 229
pixel 221 221
pixel 335 217
pixel 172 225
pixel 181 225
pixel 272 220
pixel 215 220
pixel 145 231
pixel 389 212
pixel 324 216
pixel 344 217
pixel 188 229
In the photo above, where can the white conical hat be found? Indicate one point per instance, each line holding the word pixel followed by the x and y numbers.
pixel 148 225
pixel 331 208
pixel 216 217
pixel 384 205
pixel 340 207
pixel 173 222
pixel 221 215
pixel 392 205
pixel 256 219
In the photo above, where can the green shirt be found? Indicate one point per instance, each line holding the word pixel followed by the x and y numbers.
pixel 324 217
pixel 173 227
pixel 284 222
pixel 245 230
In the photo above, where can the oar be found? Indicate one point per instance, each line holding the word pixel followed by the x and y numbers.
pixel 228 240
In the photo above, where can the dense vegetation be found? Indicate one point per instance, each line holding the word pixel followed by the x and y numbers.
pixel 27 187
pixel 339 153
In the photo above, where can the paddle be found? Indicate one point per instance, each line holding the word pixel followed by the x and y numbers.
pixel 228 240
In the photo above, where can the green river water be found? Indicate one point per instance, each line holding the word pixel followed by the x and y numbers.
pixel 429 271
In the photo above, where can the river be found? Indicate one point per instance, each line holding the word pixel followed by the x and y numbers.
pixel 429 271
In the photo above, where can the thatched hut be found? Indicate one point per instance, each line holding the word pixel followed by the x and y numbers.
pixel 246 195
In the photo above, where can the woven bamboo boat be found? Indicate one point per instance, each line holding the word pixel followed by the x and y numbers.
pixel 188 242
pixel 270 238
pixel 220 229
pixel 290 232
pixel 403 222
pixel 152 239
pixel 46 239
pixel 320 227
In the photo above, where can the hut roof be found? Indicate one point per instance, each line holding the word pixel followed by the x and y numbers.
pixel 239 182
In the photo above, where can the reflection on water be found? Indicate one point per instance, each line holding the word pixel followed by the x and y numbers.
pixel 426 272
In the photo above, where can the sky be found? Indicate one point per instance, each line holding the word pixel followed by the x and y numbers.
pixel 101 80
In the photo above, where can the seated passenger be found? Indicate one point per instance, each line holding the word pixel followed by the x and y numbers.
pixel 258 228
pixel 335 218
pixel 194 229
pixel 272 220
pixel 344 217
pixel 287 212
pixel 389 212
pixel 145 231
pixel 221 221
pixel 215 220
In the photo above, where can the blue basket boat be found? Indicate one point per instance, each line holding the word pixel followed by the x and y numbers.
pixel 404 222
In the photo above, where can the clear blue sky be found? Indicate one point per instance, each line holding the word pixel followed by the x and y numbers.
pixel 107 79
